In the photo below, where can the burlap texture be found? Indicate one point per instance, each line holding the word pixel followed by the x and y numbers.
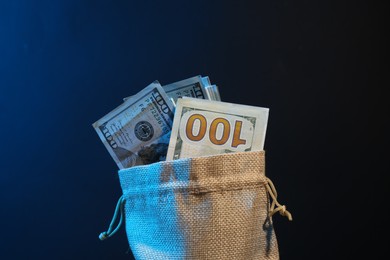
pixel 214 207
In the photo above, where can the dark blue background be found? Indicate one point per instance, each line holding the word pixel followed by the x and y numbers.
pixel 318 66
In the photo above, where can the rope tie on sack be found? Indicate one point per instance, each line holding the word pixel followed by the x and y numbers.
pixel 118 210
pixel 275 205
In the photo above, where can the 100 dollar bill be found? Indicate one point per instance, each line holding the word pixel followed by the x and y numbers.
pixel 192 87
pixel 137 132
pixel 205 127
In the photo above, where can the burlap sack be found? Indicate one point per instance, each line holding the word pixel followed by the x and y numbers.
pixel 214 207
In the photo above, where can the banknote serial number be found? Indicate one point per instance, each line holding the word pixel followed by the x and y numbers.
pixel 157 108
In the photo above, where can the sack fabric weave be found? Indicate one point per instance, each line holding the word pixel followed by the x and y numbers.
pixel 211 207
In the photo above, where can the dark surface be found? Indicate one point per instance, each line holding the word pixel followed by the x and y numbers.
pixel 318 65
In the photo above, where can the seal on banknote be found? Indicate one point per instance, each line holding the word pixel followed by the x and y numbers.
pixel 144 131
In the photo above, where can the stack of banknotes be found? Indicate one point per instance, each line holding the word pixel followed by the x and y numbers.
pixel 182 119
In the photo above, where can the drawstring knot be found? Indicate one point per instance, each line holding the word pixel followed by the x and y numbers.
pixel 103 236
pixel 275 205
pixel 118 210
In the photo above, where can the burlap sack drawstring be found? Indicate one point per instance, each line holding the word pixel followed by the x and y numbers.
pixel 274 195
pixel 118 210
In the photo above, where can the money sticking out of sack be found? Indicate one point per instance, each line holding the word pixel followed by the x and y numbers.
pixel 182 119
pixel 206 127
pixel 197 87
pixel 137 132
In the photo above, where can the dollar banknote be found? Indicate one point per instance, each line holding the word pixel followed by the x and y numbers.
pixel 213 92
pixel 206 81
pixel 191 87
pixel 137 131
pixel 206 127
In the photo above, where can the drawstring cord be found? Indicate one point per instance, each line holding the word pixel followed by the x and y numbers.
pixel 119 207
pixel 274 195
pixel 275 207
